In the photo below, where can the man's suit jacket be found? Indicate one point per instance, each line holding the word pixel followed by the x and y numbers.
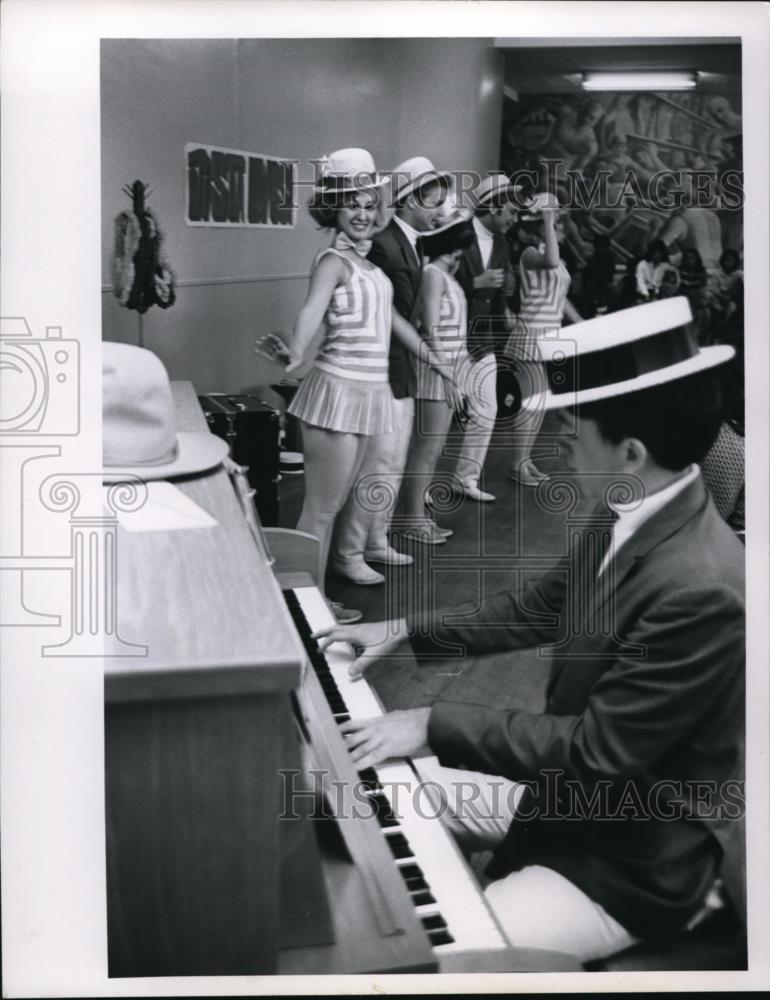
pixel 392 251
pixel 487 331
pixel 648 710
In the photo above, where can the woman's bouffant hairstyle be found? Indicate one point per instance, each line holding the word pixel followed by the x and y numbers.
pixel 323 208
pixel 324 205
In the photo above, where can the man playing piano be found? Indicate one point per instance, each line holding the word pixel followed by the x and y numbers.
pixel 613 812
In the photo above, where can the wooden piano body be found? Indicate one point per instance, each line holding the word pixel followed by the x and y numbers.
pixel 204 877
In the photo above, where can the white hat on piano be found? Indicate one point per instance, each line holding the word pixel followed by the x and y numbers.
pixel 620 353
pixel 139 433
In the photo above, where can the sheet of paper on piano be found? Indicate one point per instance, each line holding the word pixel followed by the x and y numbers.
pixel 166 509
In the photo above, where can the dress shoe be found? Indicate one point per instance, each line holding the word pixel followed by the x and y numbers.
pixel 446 532
pixel 472 491
pixel 357 571
pixel 426 534
pixel 345 616
pixel 388 557
pixel 528 474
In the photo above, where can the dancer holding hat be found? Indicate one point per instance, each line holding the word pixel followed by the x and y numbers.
pixel 644 621
pixel 544 283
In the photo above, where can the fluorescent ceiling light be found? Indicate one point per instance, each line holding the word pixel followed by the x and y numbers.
pixel 639 81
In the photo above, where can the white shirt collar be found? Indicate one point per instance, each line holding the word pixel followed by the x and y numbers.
pixel 631 516
pixel 481 231
pixel 411 234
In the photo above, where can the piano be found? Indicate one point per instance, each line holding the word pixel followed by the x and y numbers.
pixel 232 705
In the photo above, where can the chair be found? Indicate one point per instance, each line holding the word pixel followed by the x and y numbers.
pixel 294 552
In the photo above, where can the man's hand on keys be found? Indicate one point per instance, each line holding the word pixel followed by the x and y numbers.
pixel 370 640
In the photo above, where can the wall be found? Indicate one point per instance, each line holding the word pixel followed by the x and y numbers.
pixel 297 99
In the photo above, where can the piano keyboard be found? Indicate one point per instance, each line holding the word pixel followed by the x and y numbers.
pixel 445 894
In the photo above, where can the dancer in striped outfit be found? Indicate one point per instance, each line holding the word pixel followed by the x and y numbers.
pixel 444 324
pixel 346 398
pixel 545 282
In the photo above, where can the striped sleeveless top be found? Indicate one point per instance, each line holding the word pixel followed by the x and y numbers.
pixel 542 297
pixel 453 315
pixel 358 324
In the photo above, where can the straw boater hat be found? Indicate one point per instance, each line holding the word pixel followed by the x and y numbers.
pixel 346 170
pixel 534 209
pixel 139 435
pixel 492 186
pixel 413 174
pixel 620 353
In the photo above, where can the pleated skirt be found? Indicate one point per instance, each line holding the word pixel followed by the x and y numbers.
pixel 348 405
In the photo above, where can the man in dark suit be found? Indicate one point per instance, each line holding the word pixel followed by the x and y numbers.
pixel 613 811
pixel 419 191
pixel 486 276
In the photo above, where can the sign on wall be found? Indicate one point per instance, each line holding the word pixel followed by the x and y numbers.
pixel 230 187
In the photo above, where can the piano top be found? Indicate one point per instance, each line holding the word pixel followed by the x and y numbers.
pixel 203 601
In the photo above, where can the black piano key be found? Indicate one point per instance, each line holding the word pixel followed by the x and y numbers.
pixel 399 845
pixel 434 922
pixel 440 937
pixel 342 717
pixel 412 871
pixel 382 810
pixel 422 898
pixel 370 779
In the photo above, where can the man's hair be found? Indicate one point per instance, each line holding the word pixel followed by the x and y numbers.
pixel 499 200
pixel 677 422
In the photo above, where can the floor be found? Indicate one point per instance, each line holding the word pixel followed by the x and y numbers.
pixel 495 546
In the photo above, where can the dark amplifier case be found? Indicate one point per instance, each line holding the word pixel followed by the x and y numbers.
pixel 252 430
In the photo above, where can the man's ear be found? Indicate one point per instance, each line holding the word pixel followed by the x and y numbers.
pixel 635 453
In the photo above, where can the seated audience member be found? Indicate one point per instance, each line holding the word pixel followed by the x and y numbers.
pixel 649 271
pixel 726 287
pixel 642 710
pixel 669 283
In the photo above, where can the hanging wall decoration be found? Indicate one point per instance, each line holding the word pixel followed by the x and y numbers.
pixel 141 273
pixel 229 187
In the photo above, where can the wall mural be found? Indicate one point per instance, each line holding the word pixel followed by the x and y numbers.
pixel 634 168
